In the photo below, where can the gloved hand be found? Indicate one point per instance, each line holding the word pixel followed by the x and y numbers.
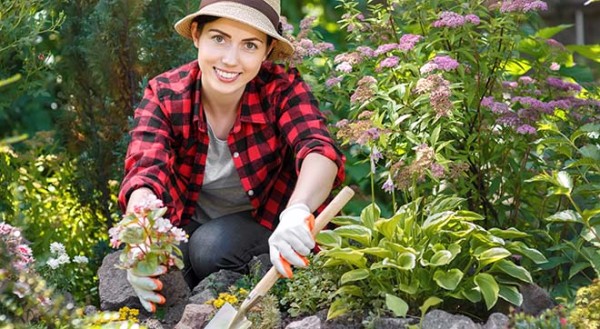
pixel 291 239
pixel 145 286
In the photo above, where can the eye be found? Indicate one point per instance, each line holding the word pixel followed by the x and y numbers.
pixel 251 46
pixel 218 38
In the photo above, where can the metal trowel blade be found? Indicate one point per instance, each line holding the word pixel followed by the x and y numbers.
pixel 223 318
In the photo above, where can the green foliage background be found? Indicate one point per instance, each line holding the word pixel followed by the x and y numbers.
pixel 71 73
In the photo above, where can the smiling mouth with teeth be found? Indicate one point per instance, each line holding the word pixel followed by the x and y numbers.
pixel 226 75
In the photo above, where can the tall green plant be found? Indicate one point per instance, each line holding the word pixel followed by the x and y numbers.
pixel 427 253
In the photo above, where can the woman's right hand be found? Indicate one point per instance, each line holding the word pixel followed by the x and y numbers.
pixel 138 197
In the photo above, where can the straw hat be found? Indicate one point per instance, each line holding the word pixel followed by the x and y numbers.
pixel 263 15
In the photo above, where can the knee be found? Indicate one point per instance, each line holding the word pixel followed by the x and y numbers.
pixel 204 256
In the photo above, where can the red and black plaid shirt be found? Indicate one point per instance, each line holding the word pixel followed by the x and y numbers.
pixel 279 124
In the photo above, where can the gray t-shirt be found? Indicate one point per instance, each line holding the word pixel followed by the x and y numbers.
pixel 222 192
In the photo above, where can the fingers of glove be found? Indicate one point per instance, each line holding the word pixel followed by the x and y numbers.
pixel 277 261
pixel 305 237
pixel 150 296
pixel 300 244
pixel 144 282
pixel 291 256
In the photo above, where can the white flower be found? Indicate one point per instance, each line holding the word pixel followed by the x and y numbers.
pixel 80 259
pixel 554 66
pixel 162 225
pixel 63 259
pixel 57 248
pixel 179 234
pixel 53 263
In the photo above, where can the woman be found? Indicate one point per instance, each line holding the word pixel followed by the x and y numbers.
pixel 233 144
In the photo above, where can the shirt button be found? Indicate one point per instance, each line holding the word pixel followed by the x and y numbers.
pixel 251 192
pixel 236 154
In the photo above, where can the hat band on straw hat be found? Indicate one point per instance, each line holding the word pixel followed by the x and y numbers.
pixel 259 5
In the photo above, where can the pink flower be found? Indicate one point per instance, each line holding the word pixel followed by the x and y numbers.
pixel 344 67
pixel 526 129
pixel 408 41
pixel 388 185
pixel 333 81
pixel 449 19
pixel 522 6
pixel 554 66
pixel 391 61
pixel 445 63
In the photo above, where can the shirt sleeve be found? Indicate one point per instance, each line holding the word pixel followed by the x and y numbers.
pixel 304 126
pixel 149 151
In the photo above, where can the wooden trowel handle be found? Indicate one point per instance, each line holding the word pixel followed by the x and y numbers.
pixel 334 207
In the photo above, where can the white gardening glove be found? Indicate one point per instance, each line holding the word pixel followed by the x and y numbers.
pixel 291 239
pixel 145 286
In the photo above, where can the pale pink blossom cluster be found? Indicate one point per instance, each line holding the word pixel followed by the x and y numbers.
pixel 303 45
pixel 443 63
pixel 144 232
pixel 522 6
pixel 14 245
pixel 367 87
pixel 401 175
pixel 439 91
pixel 451 19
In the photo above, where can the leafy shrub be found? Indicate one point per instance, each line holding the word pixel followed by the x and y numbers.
pixel 310 290
pixel 586 313
pixel 426 254
pixel 554 318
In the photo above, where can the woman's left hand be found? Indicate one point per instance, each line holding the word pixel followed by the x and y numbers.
pixel 291 239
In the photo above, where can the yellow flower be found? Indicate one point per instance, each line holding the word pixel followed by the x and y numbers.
pixel 243 291
pixel 218 303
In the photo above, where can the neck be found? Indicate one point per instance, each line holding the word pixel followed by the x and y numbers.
pixel 220 106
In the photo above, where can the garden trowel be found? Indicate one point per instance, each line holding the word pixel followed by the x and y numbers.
pixel 228 318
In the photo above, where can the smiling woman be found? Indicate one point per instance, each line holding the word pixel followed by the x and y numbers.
pixel 233 144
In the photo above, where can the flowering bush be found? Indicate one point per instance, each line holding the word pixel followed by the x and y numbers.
pixel 150 240
pixel 67 274
pixel 452 98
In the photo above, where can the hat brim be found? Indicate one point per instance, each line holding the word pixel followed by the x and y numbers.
pixel 282 49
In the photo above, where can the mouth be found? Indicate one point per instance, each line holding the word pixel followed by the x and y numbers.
pixel 226 76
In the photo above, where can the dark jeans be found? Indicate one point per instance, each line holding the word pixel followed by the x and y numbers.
pixel 228 242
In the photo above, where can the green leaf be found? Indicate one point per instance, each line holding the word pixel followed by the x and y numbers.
pixel 511 294
pixel 579 73
pixel 396 305
pixel 388 227
pixel 358 233
pixel 346 220
pixel 510 233
pixel 377 251
pixel 440 258
pixel 346 254
pixel 588 214
pixel 565 180
pixel 492 255
pixel 328 238
pixel 513 270
pixel 349 290
pixel 437 220
pixel 521 248
pixel 448 280
pixel 578 267
pixel 435 135
pixel 589 51
pixel 337 308
pixel 549 32
pixel 565 216
pixel 489 288
pixel 132 234
pixel 407 261
pixel 429 302
pixel 517 67
pixel 354 275
pixel 590 151
pixel 369 215
pixel 467 215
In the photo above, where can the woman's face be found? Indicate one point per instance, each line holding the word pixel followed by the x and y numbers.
pixel 230 54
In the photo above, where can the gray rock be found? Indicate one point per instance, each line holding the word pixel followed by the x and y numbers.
pixel 392 323
pixel 535 299
pixel 153 324
pixel 90 310
pixel 497 321
pixel 311 322
pixel 217 282
pixel 202 297
pixel 437 319
pixel 116 292
pixel 194 316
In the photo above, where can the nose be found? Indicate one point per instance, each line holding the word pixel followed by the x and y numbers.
pixel 230 56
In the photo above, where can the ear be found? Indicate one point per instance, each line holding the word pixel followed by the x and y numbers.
pixel 195 34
